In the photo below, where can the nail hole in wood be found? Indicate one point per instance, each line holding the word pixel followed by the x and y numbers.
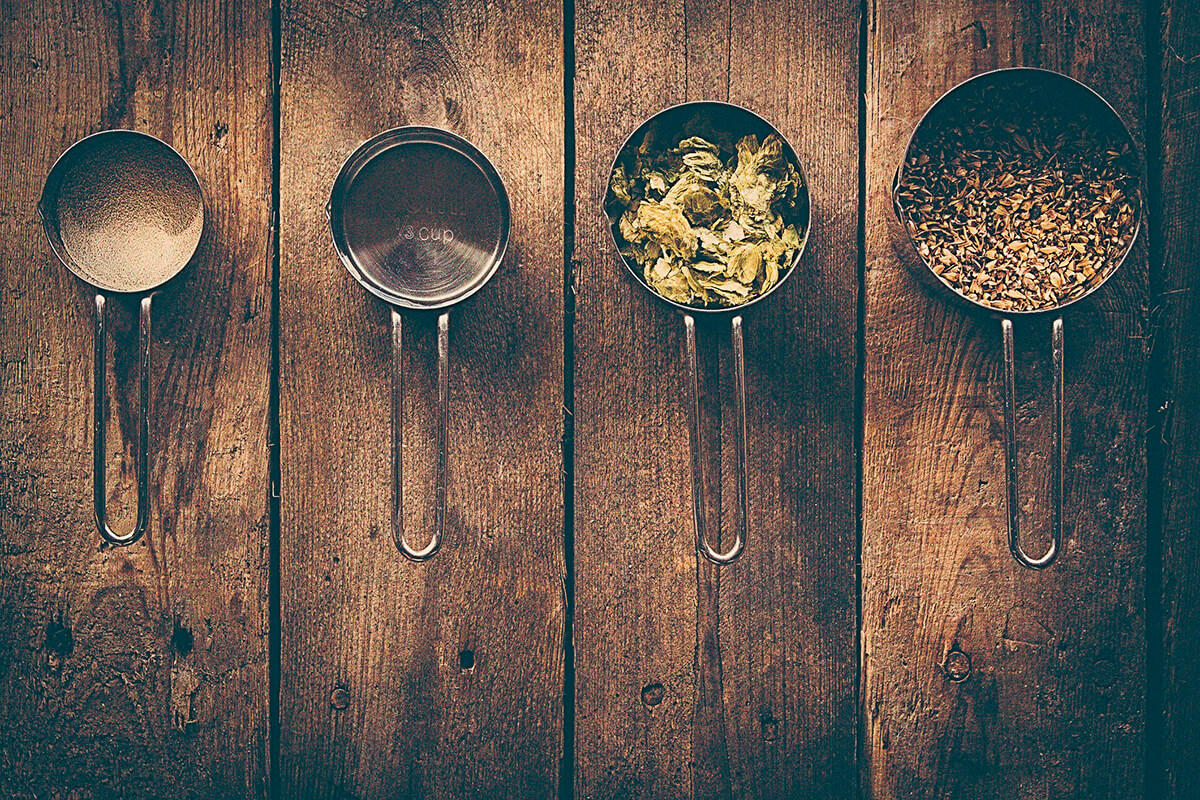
pixel 770 728
pixel 59 639
pixel 339 698
pixel 653 694
pixel 466 660
pixel 182 640
pixel 1106 674
pixel 957 666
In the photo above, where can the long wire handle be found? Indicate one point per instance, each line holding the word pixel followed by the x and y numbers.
pixel 1010 449
pixel 697 445
pixel 439 498
pixel 100 395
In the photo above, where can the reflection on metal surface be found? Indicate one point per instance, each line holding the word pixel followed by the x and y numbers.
pixel 421 219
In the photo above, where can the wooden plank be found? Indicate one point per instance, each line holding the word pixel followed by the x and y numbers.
pixel 981 679
pixel 136 672
pixel 693 681
pixel 379 695
pixel 1177 405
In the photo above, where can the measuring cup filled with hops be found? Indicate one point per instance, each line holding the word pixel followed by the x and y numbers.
pixel 1020 191
pixel 709 208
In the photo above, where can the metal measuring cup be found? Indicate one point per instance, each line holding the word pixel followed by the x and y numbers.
pixel 1052 89
pixel 124 212
pixel 739 122
pixel 421 219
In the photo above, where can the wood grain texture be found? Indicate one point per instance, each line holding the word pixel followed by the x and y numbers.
pixel 375 697
pixel 695 682
pixel 136 672
pixel 1052 701
pixel 1178 405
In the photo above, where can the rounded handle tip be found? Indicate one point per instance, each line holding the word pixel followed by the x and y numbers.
pixel 726 558
pixel 424 554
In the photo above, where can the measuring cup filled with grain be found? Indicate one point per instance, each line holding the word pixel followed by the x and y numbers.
pixel 1020 191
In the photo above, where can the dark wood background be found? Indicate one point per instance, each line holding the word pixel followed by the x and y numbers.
pixel 266 640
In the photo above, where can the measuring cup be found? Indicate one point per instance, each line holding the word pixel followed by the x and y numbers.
pixel 739 122
pixel 421 219
pixel 1050 90
pixel 124 212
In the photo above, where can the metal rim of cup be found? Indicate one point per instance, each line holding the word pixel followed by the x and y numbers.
pixel 926 269
pixel 48 207
pixel 701 105
pixel 398 137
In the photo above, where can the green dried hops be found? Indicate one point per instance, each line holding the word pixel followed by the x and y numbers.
pixel 709 225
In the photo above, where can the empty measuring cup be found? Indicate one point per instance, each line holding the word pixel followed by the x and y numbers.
pixel 421 219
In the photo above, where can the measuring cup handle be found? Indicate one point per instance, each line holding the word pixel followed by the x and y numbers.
pixel 1010 449
pixel 99 393
pixel 699 496
pixel 439 498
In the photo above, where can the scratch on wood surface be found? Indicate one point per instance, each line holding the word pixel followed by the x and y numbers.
pixel 185 683
pixel 981 40
pixel 1022 625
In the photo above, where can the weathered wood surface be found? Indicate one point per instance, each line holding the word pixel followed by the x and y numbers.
pixel 142 672
pixel 693 681
pixel 981 679
pixel 136 672
pixel 443 679
pixel 1175 395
